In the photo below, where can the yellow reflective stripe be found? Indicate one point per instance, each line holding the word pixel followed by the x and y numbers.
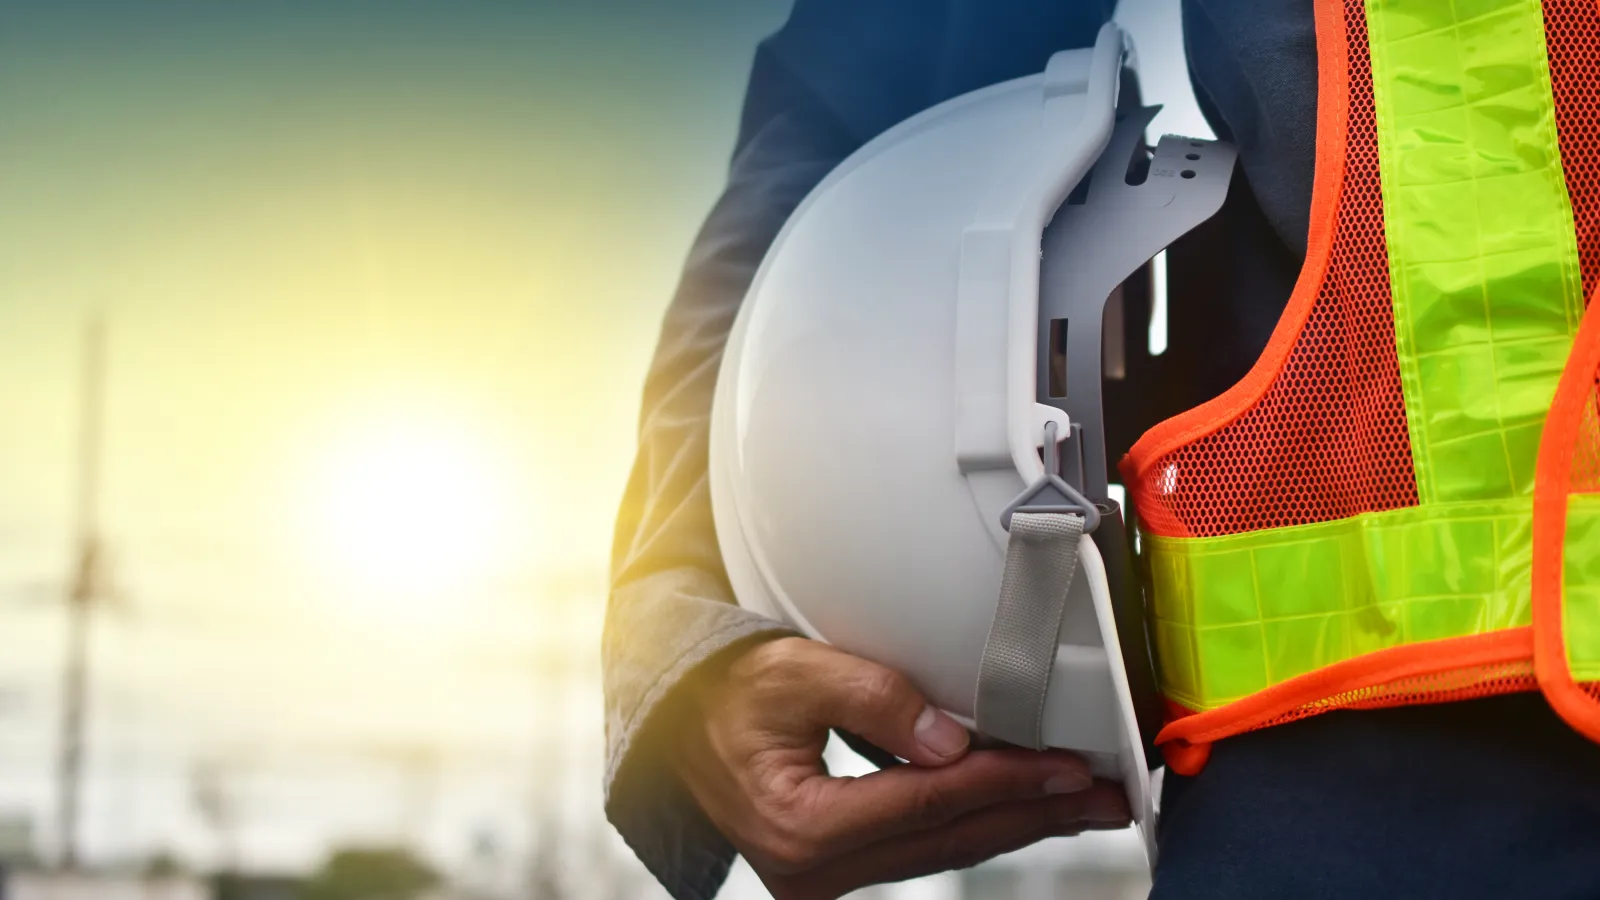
pixel 1236 614
pixel 1482 253
pixel 1580 590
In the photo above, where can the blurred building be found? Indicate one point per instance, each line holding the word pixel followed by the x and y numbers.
pixel 80 886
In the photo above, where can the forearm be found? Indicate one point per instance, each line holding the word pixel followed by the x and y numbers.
pixel 670 608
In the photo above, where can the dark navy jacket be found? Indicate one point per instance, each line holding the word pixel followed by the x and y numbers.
pixel 1493 798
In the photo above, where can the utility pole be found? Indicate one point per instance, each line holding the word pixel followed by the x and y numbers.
pixel 209 791
pixel 85 590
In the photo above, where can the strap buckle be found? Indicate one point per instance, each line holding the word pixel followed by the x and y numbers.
pixel 1051 493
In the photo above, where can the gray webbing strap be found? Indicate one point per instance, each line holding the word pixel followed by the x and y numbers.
pixel 1041 558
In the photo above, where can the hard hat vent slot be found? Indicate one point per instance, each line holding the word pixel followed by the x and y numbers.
pixel 1138 165
pixel 1080 192
pixel 1058 358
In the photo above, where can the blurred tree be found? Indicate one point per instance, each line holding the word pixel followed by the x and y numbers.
pixel 234 886
pixel 17 841
pixel 162 865
pixel 370 874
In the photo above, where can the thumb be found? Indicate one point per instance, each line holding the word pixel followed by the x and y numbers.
pixel 884 708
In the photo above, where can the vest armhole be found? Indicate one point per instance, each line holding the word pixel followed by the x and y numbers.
pixel 1333 104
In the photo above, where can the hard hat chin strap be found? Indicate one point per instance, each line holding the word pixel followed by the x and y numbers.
pixel 1041 559
pixel 1046 522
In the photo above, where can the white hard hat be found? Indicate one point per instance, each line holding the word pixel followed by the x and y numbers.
pixel 893 374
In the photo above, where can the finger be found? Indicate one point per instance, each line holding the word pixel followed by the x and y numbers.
pixel 972 839
pixel 881 706
pixel 847 813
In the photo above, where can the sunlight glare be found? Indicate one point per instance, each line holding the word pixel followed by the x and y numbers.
pixel 411 513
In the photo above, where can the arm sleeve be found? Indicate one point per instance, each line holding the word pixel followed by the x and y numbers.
pixel 671 608
pixel 836 74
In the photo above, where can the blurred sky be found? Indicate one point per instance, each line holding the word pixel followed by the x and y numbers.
pixel 324 233
pixel 346 251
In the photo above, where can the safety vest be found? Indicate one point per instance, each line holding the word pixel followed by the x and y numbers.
pixel 1400 503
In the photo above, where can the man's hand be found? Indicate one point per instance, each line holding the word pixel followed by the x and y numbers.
pixel 751 753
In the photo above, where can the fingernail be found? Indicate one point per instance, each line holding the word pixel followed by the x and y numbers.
pixel 1066 783
pixel 940 734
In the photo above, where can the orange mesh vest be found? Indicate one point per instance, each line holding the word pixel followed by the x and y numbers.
pixel 1400 503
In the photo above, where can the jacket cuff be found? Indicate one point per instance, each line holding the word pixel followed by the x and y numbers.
pixel 647 802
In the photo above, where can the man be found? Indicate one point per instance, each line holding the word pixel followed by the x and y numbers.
pixel 716 718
